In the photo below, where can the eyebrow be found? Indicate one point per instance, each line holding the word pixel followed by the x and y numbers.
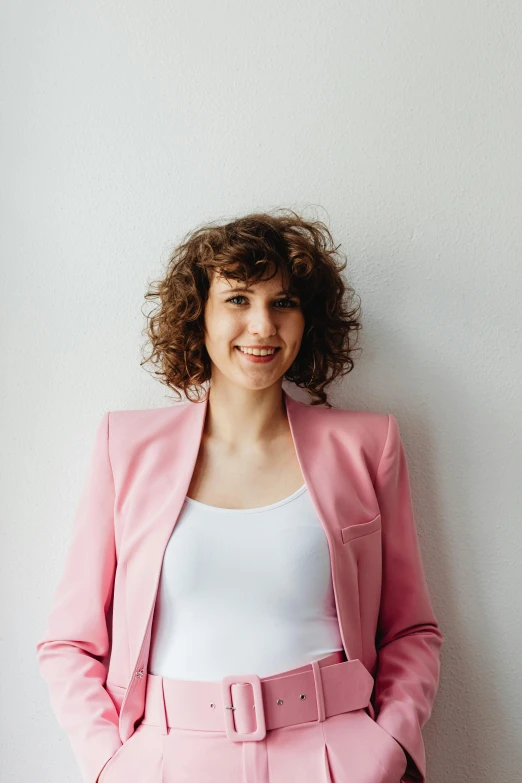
pixel 247 290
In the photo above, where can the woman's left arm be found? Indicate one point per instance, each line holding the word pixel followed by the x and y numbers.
pixel 408 636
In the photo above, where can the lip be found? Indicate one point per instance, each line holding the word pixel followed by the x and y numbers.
pixel 256 359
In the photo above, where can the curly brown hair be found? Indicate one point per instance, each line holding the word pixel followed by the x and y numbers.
pixel 246 249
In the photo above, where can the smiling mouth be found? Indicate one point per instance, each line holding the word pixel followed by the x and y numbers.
pixel 257 351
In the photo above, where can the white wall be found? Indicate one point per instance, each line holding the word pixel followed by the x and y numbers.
pixel 127 124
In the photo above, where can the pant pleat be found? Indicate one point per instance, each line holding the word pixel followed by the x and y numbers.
pixel 255 762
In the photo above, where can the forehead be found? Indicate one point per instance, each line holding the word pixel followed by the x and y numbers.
pixel 222 284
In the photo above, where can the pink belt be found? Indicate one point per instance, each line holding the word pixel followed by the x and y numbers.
pixel 246 706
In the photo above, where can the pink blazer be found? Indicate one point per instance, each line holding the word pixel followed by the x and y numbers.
pixel 94 652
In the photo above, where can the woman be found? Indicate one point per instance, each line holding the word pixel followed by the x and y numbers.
pixel 244 597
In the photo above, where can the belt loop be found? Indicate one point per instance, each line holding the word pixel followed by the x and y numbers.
pixel 319 691
pixel 163 710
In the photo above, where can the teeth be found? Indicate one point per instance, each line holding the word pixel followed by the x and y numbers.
pixel 257 351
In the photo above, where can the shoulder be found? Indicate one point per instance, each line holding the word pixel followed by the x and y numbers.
pixel 363 431
pixel 144 416
pixel 135 429
pixel 357 420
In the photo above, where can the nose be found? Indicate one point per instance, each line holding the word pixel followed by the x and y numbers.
pixel 262 323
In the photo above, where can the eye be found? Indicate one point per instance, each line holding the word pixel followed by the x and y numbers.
pixel 290 302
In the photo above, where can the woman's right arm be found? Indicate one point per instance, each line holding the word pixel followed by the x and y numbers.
pixel 76 634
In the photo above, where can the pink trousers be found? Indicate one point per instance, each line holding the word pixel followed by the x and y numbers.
pixel 346 748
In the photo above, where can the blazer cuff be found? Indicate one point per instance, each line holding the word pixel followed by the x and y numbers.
pixel 409 736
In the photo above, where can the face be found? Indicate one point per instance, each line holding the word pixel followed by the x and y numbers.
pixel 261 317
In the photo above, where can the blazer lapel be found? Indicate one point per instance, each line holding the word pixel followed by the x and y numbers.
pixel 170 459
pixel 329 468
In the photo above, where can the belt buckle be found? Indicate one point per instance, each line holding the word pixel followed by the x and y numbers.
pixel 255 682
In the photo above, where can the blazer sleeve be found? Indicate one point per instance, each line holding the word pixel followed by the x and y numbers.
pixel 408 639
pixel 76 635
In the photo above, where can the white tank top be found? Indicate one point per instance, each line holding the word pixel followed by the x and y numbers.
pixel 244 591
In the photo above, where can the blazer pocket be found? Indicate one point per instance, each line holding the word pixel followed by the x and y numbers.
pixel 361 529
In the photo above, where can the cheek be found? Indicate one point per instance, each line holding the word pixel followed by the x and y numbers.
pixel 221 325
pixel 295 331
pixel 221 339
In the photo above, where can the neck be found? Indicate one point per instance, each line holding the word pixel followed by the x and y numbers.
pixel 239 418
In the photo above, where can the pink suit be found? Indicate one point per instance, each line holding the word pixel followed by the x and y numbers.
pixel 94 651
